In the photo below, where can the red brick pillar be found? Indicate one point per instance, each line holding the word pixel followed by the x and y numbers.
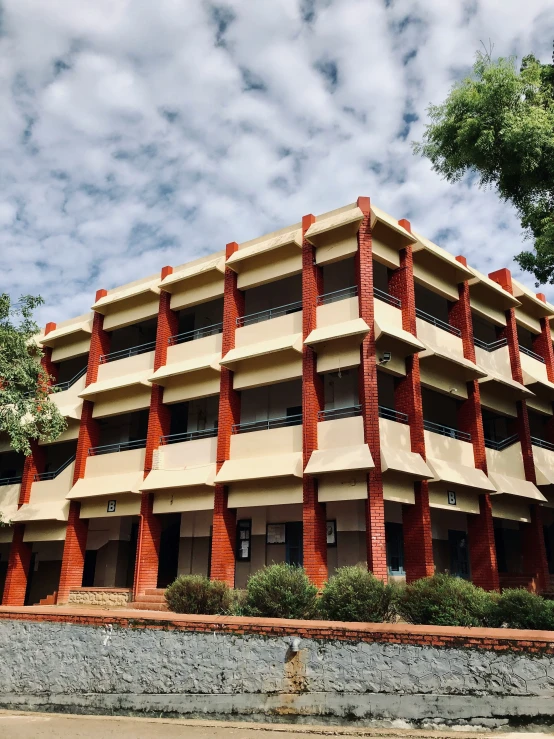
pixel 534 550
pixel 225 519
pixel 416 519
pixel 73 560
pixel 369 400
pixel 482 549
pixel 313 401
pixel 46 360
pixel 159 421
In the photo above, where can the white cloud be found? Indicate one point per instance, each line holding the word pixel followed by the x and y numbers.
pixel 136 134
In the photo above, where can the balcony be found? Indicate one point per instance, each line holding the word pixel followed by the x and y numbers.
pixel 54 473
pixel 500 445
pixel 188 436
pixel 198 333
pixel 332 414
pixel 336 295
pixel 63 386
pixel 270 423
pixel 492 347
pixel 392 415
pixel 131 352
pixel 438 428
pixel 543 457
pixel 121 446
pixel 46 512
pixel 531 354
pixel 267 315
pixel 15 480
pixel 10 487
pixel 437 322
pixel 386 298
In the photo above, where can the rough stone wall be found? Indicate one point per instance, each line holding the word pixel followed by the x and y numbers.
pixel 93 597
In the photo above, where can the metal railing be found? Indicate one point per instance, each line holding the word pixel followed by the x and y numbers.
pixel 188 436
pixel 10 480
pixel 332 413
pixel 39 476
pixel 438 428
pixel 386 298
pixel 493 346
pixel 437 322
pixel 542 443
pixel 531 354
pixel 68 383
pixel 392 415
pixel 124 353
pixel 120 447
pixel 266 315
pixel 197 333
pixel 271 423
pixel 502 444
pixel 333 297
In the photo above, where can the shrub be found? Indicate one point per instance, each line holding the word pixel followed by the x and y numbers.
pixel 197 594
pixel 444 600
pixel 280 591
pixel 519 609
pixel 354 594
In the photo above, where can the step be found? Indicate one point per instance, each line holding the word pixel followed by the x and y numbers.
pixel 49 600
pixel 154 591
pixel 148 606
pixel 149 599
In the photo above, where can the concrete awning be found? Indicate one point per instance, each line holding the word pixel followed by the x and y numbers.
pixel 379 216
pixel 195 270
pixel 117 296
pixel 254 468
pixel 291 238
pixel 387 330
pixel 48 511
pixel 9 500
pixel 434 353
pixel 409 463
pixel 459 474
pixel 71 411
pixel 340 459
pixel 530 302
pixel 352 217
pixel 183 478
pixel 357 327
pixel 507 300
pixel 424 245
pixel 54 337
pixel 495 378
pixel 116 383
pixel 514 486
pixel 544 473
pixel 545 387
pixel 94 487
pixel 292 342
pixel 196 364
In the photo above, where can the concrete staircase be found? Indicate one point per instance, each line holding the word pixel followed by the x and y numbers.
pixel 152 600
pixel 50 600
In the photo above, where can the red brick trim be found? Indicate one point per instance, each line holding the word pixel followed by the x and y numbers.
pixel 19 561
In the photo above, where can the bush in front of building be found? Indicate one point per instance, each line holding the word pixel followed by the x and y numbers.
pixel 280 591
pixel 354 594
pixel 517 608
pixel 444 600
pixel 198 594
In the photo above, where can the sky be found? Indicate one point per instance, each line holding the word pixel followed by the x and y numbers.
pixel 136 134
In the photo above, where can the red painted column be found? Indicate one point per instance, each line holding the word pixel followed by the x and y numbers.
pixel 534 550
pixel 482 548
pixel 369 400
pixel 73 560
pixel 313 401
pixel 416 519
pixel 159 421
pixel 542 345
pixel 225 519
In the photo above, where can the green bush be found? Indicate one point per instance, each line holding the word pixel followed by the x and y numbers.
pixel 197 594
pixel 519 609
pixel 444 600
pixel 354 594
pixel 280 591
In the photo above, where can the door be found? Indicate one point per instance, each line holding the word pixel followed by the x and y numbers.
pixel 395 548
pixel 169 549
pixel 89 568
pixel 293 543
pixel 130 578
pixel 30 577
pixel 459 557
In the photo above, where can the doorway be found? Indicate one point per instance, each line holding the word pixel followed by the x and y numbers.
pixel 459 555
pixel 395 548
pixel 294 543
pixel 169 549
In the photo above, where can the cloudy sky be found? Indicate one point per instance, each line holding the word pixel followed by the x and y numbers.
pixel 136 133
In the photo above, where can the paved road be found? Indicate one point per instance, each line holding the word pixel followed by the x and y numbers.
pixel 16 725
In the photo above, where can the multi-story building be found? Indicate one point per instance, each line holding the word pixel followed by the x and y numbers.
pixel 340 391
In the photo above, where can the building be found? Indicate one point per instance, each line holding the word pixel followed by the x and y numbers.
pixel 340 391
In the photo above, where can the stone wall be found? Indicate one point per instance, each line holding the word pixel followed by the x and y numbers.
pixel 102 597
pixel 341 673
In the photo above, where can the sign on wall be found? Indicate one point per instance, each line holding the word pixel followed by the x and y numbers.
pixel 451 497
pixel 111 506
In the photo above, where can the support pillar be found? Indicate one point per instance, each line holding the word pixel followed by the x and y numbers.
pixel 19 561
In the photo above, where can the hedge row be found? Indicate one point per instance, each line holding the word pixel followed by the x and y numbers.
pixel 354 594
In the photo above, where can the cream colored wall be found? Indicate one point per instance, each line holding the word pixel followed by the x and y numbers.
pixel 266 443
pixel 540 404
pixel 494 398
pixel 124 400
pixel 508 462
pixel 6 534
pixel 385 252
pixel 127 366
pixel 268 369
pixel 190 386
pixel 200 289
pixel 196 524
pixel 533 366
pixel 269 266
pixel 483 301
pixel 335 245
pixel 205 346
pixel 387 313
pixel 187 453
pixel 443 376
pixel 9 499
pixel 70 397
pixel 497 361
pixel 435 274
pixel 337 312
pixel 340 432
pixel 337 486
pixel 338 354
pixel 466 500
pixel 435 336
pixel 46 491
pixel 274 492
pixel 510 508
pixel 102 530
pixel 451 450
pixel 180 500
pixel 543 457
pixel 527 319
pixel 127 505
pixel 394 435
pixel 442 521
pixel 256 333
pixel 75 345
pixel 44 531
pixel 116 463
pixel 132 310
pixel 398 488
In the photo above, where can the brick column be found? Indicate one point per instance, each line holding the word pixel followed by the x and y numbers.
pixel 46 360
pixel 416 519
pixel 369 400
pixel 159 422
pixel 482 549
pixel 73 560
pixel 313 400
pixel 534 550
pixel 542 345
pixel 225 519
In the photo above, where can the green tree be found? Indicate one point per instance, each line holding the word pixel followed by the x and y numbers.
pixel 26 410
pixel 498 124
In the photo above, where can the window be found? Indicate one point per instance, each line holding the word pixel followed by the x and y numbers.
pixel 244 537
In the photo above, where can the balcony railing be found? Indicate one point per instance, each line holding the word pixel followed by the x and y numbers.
pixel 10 480
pixel 124 353
pixel 336 295
pixel 392 415
pixel 502 444
pixel 68 383
pixel 188 436
pixel 542 443
pixel 122 446
pixel 531 354
pixel 438 428
pixel 493 346
pixel 437 322
pixel 386 298
pixel 197 333
pixel 40 476
pixel 271 423
pixel 266 315
pixel 333 413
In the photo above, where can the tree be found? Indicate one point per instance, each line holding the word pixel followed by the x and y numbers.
pixel 498 123
pixel 26 410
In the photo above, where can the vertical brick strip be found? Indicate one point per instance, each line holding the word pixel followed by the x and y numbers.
pixel 159 422
pixel 542 345
pixel 416 519
pixel 73 560
pixel 224 520
pixel 533 545
pixel 482 549
pixel 369 400
pixel 313 400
